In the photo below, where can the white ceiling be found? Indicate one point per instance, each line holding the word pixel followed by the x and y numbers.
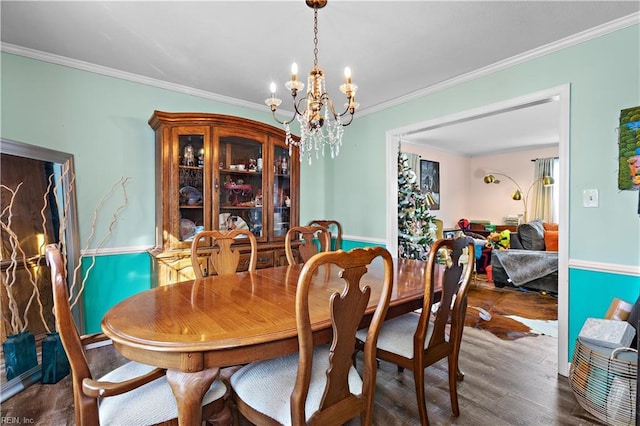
pixel 232 50
pixel 528 126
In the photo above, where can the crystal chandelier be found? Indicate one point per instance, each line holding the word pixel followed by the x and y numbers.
pixel 320 124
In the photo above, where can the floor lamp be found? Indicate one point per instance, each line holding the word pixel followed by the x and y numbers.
pixel 518 194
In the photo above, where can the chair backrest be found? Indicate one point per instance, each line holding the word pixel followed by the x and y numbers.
pixel 347 309
pixel 307 247
pixel 453 277
pixel 222 257
pixel 86 408
pixel 331 225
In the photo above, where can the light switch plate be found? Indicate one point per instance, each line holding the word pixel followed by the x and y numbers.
pixel 590 197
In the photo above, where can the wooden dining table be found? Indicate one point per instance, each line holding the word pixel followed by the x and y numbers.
pixel 193 328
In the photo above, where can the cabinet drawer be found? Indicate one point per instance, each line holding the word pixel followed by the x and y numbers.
pixel 264 260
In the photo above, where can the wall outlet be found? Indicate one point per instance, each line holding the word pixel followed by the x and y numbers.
pixel 590 197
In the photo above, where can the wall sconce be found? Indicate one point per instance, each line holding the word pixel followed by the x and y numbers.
pixel 518 194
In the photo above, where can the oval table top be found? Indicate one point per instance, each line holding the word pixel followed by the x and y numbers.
pixel 239 318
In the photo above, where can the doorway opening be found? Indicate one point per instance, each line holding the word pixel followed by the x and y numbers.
pixel 560 94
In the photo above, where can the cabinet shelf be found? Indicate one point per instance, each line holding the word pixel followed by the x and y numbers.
pixel 240 207
pixel 241 172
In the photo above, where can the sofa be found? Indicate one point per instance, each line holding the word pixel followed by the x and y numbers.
pixel 531 261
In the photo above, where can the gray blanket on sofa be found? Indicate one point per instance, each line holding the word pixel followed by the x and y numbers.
pixel 524 266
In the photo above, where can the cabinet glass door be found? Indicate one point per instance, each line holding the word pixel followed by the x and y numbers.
pixel 191 211
pixel 240 164
pixel 281 191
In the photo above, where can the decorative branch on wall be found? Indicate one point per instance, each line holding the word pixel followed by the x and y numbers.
pixel 16 322
pixel 114 219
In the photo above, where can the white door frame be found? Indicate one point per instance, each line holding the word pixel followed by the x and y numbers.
pixel 563 95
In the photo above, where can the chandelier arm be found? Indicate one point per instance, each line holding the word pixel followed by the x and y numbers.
pixel 284 123
pixel 337 116
pixel 296 110
pixel 325 98
pixel 348 122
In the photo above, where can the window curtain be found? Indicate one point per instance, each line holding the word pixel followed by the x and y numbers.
pixel 414 164
pixel 545 198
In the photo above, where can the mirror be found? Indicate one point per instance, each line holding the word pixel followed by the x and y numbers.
pixel 38 207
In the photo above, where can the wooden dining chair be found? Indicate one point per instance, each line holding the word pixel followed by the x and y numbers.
pixel 307 237
pixel 417 340
pixel 133 393
pixel 222 257
pixel 319 385
pixel 331 225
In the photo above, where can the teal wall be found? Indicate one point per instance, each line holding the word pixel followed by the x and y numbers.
pixel 103 122
pixel 591 293
pixel 113 278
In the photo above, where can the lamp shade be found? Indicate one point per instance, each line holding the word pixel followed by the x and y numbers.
pixel 489 178
pixel 517 195
pixel 548 181
pixel 430 200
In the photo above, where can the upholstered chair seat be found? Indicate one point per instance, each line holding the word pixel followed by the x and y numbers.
pixel 152 403
pixel 397 334
pixel 272 398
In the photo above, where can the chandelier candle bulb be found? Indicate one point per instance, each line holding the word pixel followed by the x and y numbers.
pixel 347 74
pixel 294 71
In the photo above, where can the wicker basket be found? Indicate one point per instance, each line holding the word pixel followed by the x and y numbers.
pixel 604 385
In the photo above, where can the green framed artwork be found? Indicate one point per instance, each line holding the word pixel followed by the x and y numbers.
pixel 629 149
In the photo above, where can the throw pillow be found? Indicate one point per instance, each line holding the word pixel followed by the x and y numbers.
pixel 550 226
pixel 532 235
pixel 515 243
pixel 551 240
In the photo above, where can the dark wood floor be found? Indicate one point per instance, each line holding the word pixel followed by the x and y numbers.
pixel 506 383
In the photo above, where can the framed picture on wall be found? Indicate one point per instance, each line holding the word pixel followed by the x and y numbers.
pixel 430 180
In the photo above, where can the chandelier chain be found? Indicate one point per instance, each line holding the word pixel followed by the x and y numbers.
pixel 315 37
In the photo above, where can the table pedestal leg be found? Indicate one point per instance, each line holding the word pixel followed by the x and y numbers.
pixel 189 388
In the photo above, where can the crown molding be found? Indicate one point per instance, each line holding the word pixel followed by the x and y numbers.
pixel 573 40
pixel 123 75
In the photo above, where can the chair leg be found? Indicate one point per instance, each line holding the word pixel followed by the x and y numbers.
pixel 418 377
pixel 453 383
pixel 224 417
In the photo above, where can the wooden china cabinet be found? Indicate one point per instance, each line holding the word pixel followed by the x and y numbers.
pixel 220 172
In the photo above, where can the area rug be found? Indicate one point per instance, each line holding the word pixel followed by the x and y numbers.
pixel 511 313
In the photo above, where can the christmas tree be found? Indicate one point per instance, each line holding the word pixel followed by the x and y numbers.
pixel 415 224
